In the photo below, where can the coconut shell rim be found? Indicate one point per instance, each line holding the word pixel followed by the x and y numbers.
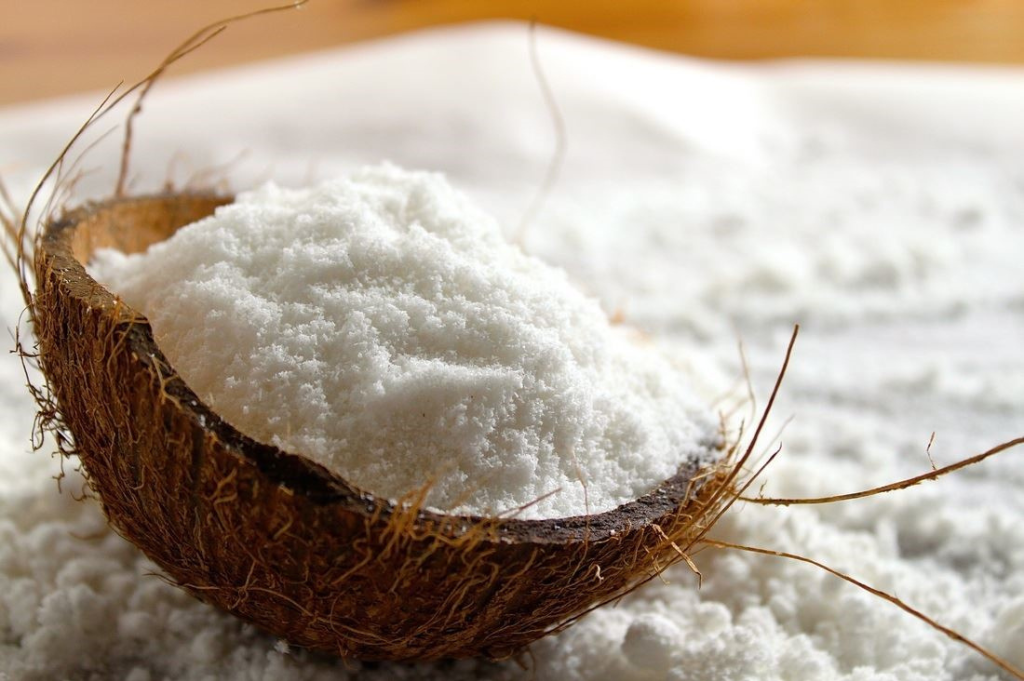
pixel 302 475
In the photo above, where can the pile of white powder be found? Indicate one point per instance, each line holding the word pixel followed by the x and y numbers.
pixel 382 326
pixel 879 205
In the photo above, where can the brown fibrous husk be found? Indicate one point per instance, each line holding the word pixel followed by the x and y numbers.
pixel 286 544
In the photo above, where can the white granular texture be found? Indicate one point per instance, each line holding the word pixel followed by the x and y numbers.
pixel 382 326
pixel 881 206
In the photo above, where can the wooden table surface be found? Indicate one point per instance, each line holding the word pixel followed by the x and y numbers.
pixel 52 47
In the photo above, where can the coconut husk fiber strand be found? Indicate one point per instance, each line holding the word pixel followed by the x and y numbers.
pixel 280 541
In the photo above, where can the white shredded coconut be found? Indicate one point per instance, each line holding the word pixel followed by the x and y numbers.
pixel 879 205
pixel 382 326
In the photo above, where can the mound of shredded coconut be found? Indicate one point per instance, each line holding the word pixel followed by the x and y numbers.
pixel 381 325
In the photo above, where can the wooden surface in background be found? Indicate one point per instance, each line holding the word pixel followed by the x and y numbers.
pixel 52 47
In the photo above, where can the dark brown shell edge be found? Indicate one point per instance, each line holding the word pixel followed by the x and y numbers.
pixel 281 542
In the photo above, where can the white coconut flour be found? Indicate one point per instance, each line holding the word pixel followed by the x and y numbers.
pixel 880 206
pixel 382 325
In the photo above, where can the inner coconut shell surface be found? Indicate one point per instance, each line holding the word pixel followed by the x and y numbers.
pixel 282 542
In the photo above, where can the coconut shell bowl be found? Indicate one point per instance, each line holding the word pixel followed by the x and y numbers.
pixel 280 541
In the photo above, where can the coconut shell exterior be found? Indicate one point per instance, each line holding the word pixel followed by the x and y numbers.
pixel 280 541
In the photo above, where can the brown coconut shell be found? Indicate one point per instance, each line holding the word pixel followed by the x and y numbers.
pixel 280 541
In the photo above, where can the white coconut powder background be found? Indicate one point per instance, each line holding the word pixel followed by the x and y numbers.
pixel 881 206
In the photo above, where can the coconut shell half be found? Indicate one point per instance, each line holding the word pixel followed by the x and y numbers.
pixel 281 542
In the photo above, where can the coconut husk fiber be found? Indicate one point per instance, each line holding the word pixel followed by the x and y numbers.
pixel 287 545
